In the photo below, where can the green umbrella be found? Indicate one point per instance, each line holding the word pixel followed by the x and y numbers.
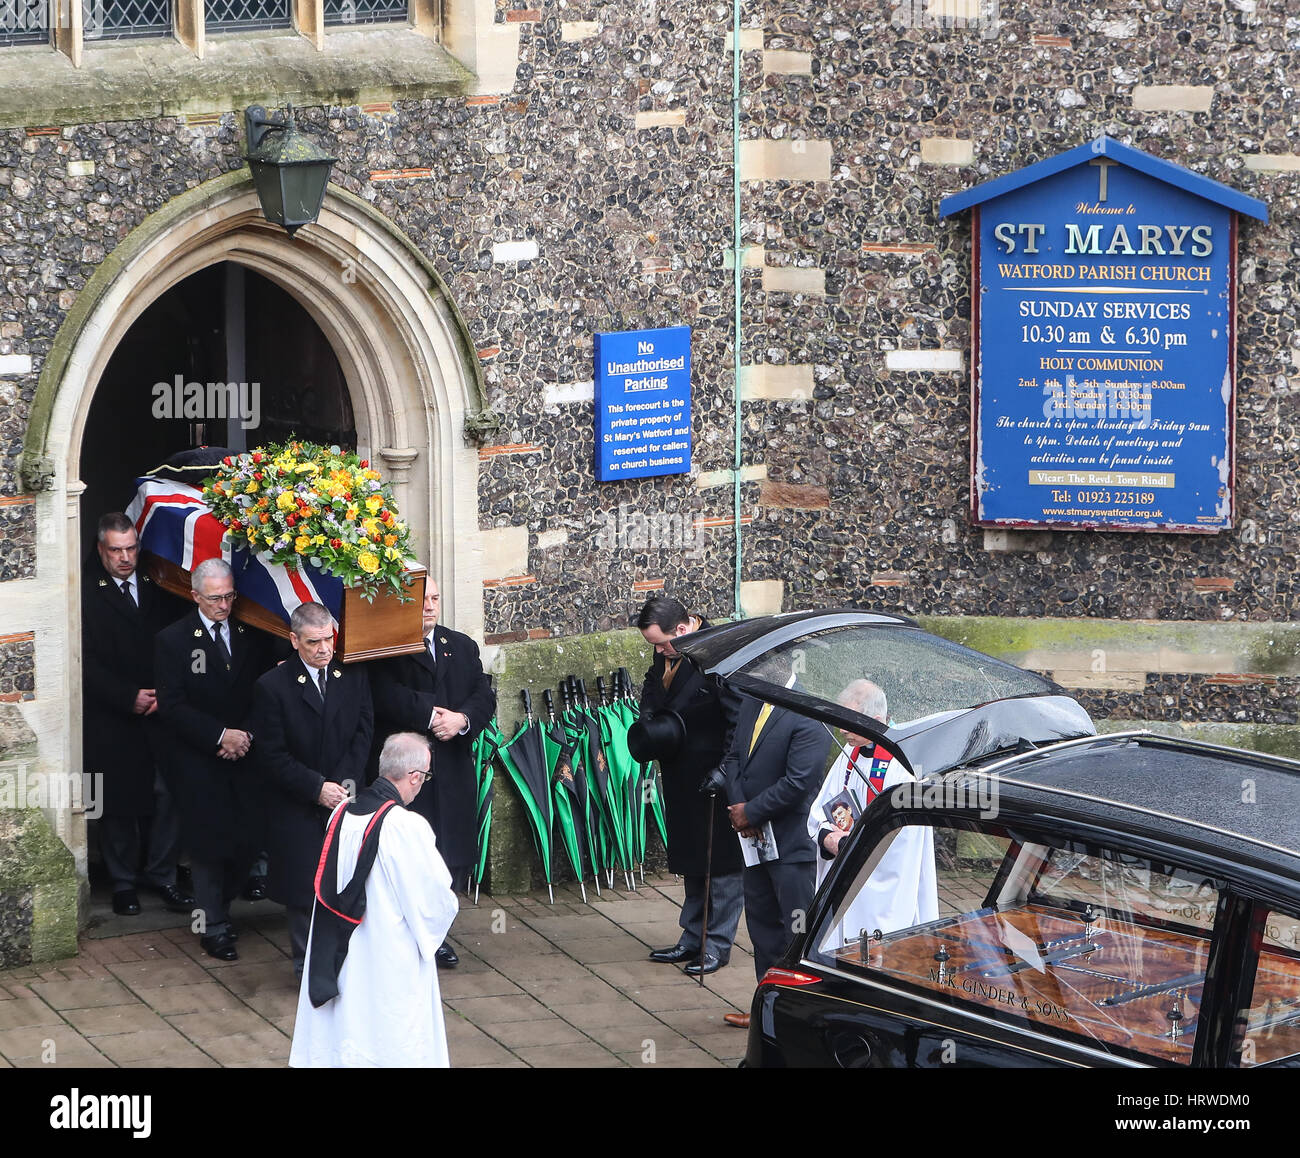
pixel 486 745
pixel 564 789
pixel 525 759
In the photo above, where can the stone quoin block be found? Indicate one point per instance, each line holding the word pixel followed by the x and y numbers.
pixel 708 479
pixel 769 160
pixel 579 29
pixel 15 364
pixel 661 119
pixel 947 151
pixel 762 596
pixel 750 38
pixel 1179 98
pixel 508 251
pixel 504 552
pixel 936 361
pixel 793 280
pixel 1273 162
pixel 787 63
pixel 765 381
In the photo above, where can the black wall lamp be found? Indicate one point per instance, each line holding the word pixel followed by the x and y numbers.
pixel 289 169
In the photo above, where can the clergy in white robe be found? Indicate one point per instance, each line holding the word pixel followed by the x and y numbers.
pixel 388 1011
pixel 902 890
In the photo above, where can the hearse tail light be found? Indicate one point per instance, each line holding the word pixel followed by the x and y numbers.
pixel 788 978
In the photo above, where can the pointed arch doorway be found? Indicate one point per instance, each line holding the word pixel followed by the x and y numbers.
pixel 403 357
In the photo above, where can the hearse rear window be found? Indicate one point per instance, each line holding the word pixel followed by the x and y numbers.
pixel 1272 1020
pixel 1078 941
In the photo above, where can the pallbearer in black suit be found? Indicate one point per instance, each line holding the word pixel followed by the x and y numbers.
pixel 205 667
pixel 775 767
pixel 121 612
pixel 708 714
pixel 313 721
pixel 442 693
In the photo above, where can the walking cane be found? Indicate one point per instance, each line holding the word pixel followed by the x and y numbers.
pixel 708 877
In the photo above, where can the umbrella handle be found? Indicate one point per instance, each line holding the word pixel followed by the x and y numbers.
pixel 527 697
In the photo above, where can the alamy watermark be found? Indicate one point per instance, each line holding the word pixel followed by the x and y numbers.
pixel 22 788
pixel 949 793
pixel 209 400
pixel 632 530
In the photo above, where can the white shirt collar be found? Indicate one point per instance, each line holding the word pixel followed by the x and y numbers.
pixel 207 623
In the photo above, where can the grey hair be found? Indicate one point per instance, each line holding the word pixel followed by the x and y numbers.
pixel 114 521
pixel 310 615
pixel 401 754
pixel 867 698
pixel 210 569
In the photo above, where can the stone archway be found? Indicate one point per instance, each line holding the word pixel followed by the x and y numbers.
pixel 410 368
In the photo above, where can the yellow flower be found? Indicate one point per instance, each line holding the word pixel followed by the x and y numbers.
pixel 317 540
pixel 307 468
pixel 392 553
pixel 370 525
pixel 371 474
pixel 301 543
pixel 374 503
pixel 252 486
pixel 286 501
pixel 368 562
pixel 352 512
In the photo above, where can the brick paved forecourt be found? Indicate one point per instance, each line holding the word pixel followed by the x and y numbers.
pixel 538 985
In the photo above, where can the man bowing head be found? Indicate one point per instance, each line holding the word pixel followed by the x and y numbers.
pixel 383 904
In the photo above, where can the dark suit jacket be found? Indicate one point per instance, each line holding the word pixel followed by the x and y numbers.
pixel 780 779
pixel 117 661
pixel 300 744
pixel 406 689
pixel 199 696
pixel 710 714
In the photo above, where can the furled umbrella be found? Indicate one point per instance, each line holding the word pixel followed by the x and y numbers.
pixel 564 790
pixel 614 720
pixel 525 759
pixel 486 745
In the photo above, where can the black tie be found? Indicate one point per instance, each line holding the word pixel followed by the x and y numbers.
pixel 126 590
pixel 220 637
pixel 433 651
pixel 320 680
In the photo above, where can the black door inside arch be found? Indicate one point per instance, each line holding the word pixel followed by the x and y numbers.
pixel 224 358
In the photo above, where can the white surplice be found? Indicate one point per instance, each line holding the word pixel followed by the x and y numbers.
pixel 389 1008
pixel 903 890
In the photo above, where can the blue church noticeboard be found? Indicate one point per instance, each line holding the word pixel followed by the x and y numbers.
pixel 1104 375
pixel 643 403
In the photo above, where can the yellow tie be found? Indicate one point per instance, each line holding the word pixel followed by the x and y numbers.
pixel 764 712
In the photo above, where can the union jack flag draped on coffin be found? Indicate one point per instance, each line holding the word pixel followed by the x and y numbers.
pixel 175 523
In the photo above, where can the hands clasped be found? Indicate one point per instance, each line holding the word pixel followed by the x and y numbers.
pixel 234 744
pixel 446 724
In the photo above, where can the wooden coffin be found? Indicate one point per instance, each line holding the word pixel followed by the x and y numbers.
pixel 366 630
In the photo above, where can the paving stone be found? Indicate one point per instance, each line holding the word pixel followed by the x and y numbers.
pixel 159 972
pixel 274 1003
pixel 484 1053
pixel 687 1058
pixel 581 986
pixel 37 1040
pixel 729 1046
pixel 81 994
pixel 488 1010
pixel 589 1015
pixel 545 1031
pixel 201 1028
pixel 632 1036
pixel 261 1047
pixel 577 1054
pixel 601 950
pixel 142 1045
pixel 19 1012
pixel 483 983
pixel 685 995
pixel 113 1019
pixel 189 998
pixel 75 1059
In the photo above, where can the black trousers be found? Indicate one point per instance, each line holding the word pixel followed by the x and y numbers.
pixel 121 839
pixel 777 898
pixel 216 884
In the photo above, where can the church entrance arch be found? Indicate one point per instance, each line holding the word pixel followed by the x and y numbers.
pixel 404 354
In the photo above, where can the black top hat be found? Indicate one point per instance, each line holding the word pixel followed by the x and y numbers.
pixel 656 737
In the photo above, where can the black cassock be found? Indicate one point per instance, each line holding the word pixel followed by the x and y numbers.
pixel 406 689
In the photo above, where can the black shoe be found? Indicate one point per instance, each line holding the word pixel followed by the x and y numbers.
pixel 255 889
pixel 674 956
pixel 446 956
pixel 222 947
pixel 708 963
pixel 126 903
pixel 175 900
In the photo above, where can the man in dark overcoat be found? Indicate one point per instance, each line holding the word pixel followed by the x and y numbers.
pixel 122 609
pixel 708 714
pixel 313 721
pixel 206 667
pixel 774 769
pixel 443 693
